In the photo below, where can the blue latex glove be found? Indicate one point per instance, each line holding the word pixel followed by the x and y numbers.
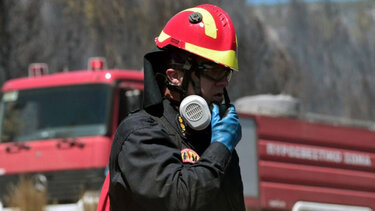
pixel 226 130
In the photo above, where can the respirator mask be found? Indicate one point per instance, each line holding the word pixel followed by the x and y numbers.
pixel 196 113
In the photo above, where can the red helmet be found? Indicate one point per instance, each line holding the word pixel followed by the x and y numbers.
pixel 205 30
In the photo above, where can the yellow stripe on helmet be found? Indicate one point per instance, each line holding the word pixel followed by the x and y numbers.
pixel 227 58
pixel 163 36
pixel 209 21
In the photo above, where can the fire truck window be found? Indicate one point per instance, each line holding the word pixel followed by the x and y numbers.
pixel 17 113
pixel 130 100
pixel 59 112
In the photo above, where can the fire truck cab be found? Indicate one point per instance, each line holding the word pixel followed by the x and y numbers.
pixel 58 128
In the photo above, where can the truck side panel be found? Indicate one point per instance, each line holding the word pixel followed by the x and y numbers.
pixel 302 161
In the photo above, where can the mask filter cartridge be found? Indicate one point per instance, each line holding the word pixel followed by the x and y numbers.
pixel 195 112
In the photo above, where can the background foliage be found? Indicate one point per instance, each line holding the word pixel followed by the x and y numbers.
pixel 322 53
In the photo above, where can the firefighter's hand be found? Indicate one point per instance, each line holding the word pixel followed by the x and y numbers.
pixel 226 130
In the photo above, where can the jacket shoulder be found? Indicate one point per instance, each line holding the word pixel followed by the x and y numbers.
pixel 136 120
pixel 133 124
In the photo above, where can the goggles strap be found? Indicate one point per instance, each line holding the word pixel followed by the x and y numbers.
pixel 194 81
pixel 170 85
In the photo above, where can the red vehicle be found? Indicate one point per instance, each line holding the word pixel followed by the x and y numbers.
pixel 305 163
pixel 58 128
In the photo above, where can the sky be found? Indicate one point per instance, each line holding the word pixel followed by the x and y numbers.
pixel 283 1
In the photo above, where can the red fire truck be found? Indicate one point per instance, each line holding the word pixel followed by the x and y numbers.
pixel 58 128
pixel 304 162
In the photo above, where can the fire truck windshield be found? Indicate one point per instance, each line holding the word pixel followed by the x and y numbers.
pixel 55 112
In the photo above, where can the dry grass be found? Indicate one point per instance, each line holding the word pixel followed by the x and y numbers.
pixel 26 197
pixel 91 201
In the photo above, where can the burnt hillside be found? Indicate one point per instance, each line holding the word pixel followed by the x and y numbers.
pixel 332 48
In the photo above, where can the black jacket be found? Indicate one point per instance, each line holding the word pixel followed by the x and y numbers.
pixel 148 173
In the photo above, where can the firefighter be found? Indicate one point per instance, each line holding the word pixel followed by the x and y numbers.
pixel 178 152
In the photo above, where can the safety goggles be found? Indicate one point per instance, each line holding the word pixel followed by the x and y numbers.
pixel 214 72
